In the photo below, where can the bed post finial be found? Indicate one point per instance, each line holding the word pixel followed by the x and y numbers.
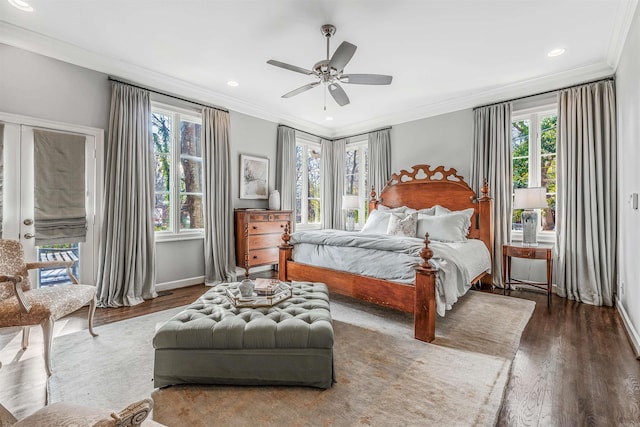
pixel 426 254
pixel 286 236
pixel 485 188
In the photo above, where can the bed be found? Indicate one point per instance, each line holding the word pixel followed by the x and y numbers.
pixel 420 189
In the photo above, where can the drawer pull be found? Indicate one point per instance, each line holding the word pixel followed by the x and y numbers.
pixel 255 257
pixel 255 227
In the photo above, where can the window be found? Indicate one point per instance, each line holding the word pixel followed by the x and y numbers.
pixel 177 143
pixel 356 166
pixel 307 182
pixel 533 153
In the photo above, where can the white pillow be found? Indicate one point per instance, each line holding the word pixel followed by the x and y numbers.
pixel 377 222
pixel 428 211
pixel 383 208
pixel 402 225
pixel 452 227
pixel 441 210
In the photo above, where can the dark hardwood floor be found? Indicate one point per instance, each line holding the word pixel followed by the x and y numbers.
pixel 574 367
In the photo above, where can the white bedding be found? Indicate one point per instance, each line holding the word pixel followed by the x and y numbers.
pixel 394 258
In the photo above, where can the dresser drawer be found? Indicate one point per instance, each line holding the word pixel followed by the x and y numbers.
pixel 263 256
pixel 269 216
pixel 261 241
pixel 267 227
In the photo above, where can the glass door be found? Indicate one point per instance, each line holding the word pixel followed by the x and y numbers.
pixel 19 208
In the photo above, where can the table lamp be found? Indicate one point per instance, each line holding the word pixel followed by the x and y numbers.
pixel 529 199
pixel 350 203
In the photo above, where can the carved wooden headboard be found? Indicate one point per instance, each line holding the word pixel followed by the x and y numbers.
pixel 425 187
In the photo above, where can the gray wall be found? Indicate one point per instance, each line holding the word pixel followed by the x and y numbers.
pixel 628 110
pixel 41 87
pixel 440 140
pixel 38 86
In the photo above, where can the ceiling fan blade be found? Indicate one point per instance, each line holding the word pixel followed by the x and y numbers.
pixel 366 79
pixel 338 94
pixel 289 67
pixel 300 90
pixel 342 55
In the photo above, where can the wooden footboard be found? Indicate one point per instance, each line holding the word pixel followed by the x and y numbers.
pixel 419 299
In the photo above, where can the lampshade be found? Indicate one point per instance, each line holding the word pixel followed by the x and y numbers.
pixel 530 198
pixel 350 202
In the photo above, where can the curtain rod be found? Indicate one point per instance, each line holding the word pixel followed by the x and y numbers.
pixel 114 79
pixel 335 139
pixel 546 92
pixel 303 131
pixel 364 133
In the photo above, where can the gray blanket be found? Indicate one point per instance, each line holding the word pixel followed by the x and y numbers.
pixel 393 258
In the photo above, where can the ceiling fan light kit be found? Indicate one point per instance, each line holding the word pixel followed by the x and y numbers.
pixel 330 71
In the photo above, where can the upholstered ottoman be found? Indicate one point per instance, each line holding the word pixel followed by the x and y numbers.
pixel 213 342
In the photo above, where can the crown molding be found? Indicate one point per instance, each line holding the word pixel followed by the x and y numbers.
pixel 67 52
pixel 507 92
pixel 625 13
pixel 38 43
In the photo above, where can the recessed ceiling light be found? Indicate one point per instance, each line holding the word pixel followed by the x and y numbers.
pixel 232 83
pixel 328 118
pixel 22 5
pixel 556 52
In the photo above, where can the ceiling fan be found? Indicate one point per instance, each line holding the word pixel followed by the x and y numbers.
pixel 330 71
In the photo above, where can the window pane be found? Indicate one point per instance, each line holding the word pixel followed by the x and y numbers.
pixel 191 212
pixel 161 132
pixel 520 138
pixel 516 220
pixel 190 175
pixel 314 211
pixel 161 212
pixel 549 215
pixel 313 185
pixel 298 211
pixel 521 173
pixel 548 127
pixel 190 138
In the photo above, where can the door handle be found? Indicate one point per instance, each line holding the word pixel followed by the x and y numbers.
pixel 28 236
pixel 28 221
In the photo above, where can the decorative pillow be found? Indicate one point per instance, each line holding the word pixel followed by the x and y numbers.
pixel 402 225
pixel 377 222
pixel 452 227
pixel 441 210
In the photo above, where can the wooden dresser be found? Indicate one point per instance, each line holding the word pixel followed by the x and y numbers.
pixel 258 235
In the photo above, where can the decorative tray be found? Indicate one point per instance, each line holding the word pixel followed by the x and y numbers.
pixel 279 293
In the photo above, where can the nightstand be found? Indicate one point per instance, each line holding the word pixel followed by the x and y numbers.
pixel 518 250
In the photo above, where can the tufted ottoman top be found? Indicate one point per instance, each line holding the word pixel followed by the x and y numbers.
pixel 213 322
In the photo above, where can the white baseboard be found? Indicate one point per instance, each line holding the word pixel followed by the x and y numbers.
pixel 182 283
pixel 634 338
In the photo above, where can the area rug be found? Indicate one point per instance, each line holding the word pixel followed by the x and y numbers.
pixel 384 376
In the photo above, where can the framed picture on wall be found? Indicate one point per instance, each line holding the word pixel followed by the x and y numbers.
pixel 254 177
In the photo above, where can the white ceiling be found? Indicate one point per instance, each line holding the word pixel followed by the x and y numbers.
pixel 444 55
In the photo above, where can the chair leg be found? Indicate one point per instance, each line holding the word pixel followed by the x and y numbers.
pixel 25 337
pixel 92 311
pixel 47 333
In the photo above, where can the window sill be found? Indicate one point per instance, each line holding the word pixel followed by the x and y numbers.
pixel 169 237
pixel 543 237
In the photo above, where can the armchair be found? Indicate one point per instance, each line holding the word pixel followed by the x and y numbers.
pixel 20 305
pixel 66 414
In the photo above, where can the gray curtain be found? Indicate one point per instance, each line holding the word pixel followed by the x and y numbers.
pixel 60 215
pixel 332 169
pixel 587 193
pixel 492 160
pixel 126 271
pixel 286 169
pixel 379 146
pixel 219 254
